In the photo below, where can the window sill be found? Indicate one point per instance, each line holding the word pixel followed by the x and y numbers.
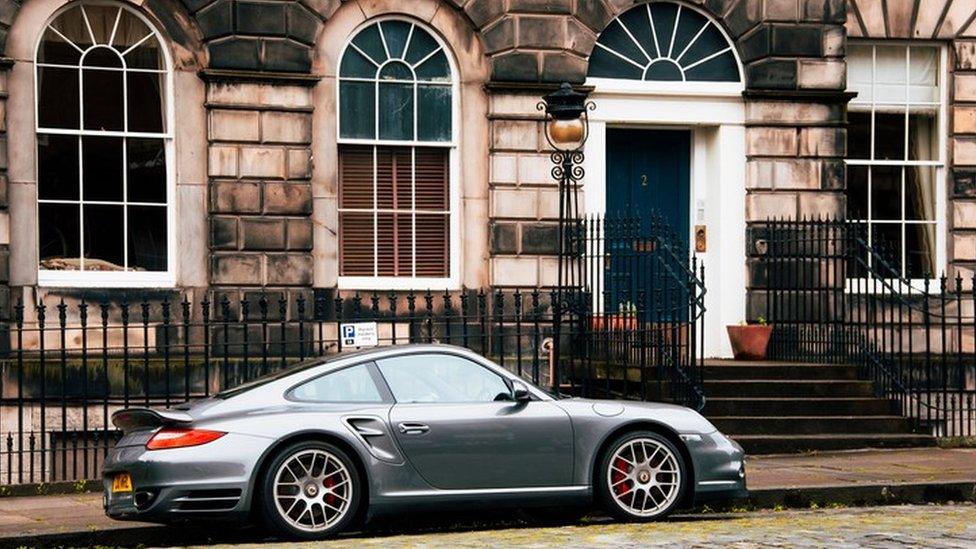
pixel 77 279
pixel 397 283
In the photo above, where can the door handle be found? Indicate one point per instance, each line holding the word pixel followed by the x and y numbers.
pixel 413 428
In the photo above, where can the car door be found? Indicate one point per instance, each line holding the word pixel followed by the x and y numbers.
pixel 457 425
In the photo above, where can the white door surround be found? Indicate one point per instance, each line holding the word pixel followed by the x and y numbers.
pixel 718 161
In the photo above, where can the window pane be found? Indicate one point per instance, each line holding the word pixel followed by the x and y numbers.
pixel 924 74
pixel 615 38
pixel 355 177
pixel 356 244
pixel 148 55
pixel 923 139
pixel 720 69
pixel 103 230
pixel 57 167
pixel 57 98
pixel 886 240
pixel 147 170
pixel 886 193
pixel 433 245
pixel 147 238
pixel 920 252
pixel 441 378
pixel 101 20
pixel 891 74
pixel 102 57
pixel 434 69
pixel 857 192
pixel 54 49
pixel 859 71
pixel 369 41
pixel 920 194
pixel 604 64
pixel 353 384
pixel 58 236
pixel 434 113
pixel 711 41
pixel 355 64
pixel 145 102
pixel 357 106
pixel 859 135
pixel 889 135
pixel 103 99
pixel 396 71
pixel 396 111
pixel 396 33
pixel 421 45
pixel 72 25
pixel 102 168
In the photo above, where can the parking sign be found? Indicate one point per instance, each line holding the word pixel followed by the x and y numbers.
pixel 359 334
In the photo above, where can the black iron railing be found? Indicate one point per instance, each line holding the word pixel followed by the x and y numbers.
pixel 835 295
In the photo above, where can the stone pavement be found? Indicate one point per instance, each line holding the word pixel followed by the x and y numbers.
pixel 872 476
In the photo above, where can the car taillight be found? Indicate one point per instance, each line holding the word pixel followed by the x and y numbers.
pixel 181 438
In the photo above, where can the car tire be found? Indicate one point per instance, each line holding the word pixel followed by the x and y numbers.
pixel 642 476
pixel 311 490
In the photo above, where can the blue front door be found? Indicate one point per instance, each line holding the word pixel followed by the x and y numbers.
pixel 648 193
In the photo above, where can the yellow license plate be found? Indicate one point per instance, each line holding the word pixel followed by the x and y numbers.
pixel 122 482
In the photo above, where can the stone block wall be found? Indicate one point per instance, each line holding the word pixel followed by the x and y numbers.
pixel 524 197
pixel 954 22
pixel 260 134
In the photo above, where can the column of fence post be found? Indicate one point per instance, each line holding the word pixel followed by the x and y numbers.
pixel 107 388
pixel 41 314
pixel 944 350
pixel 186 309
pixel 300 305
pixel 205 315
pixel 448 317
pixel 518 331
pixel 19 315
pixel 167 385
pixel 63 367
pixel 958 403
pixel 83 323
pixel 391 300
pixel 283 331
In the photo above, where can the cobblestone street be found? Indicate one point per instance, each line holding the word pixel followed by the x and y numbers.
pixel 904 526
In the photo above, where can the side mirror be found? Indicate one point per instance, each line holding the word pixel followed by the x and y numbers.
pixel 520 392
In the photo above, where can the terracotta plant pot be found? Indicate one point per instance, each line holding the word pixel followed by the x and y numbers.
pixel 613 322
pixel 749 342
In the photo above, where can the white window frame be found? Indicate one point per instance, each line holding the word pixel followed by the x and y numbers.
pixel 860 285
pixel 112 279
pixel 451 282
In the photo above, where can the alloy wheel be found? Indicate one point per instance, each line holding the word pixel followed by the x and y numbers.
pixel 313 490
pixel 644 477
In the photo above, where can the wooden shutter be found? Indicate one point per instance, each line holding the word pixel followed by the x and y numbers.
pixel 433 243
pixel 356 229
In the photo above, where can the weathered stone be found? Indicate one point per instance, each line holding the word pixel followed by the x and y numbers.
pixel 540 32
pixel 822 204
pixel 535 169
pixel 781 10
pixel 806 41
pixel 563 67
pixel 500 36
pixel 285 56
pixel 540 238
pixel 504 168
pixel 579 39
pixel 261 18
pixel 515 271
pixel 964 86
pixel 792 112
pixel 964 183
pixel 513 203
pixel 755 44
pixel 964 246
pixel 965 54
pixel 286 127
pixel 834 41
pixel 899 18
pixel 783 174
pixel 964 215
pixel 762 141
pixel 964 152
pixel 823 75
pixel 235 53
pixel 929 15
pixel 515 67
pixel 217 19
pixel 552 7
pixel 833 175
pixel 302 25
pixel 289 269
pixel 772 74
pixel 549 203
pixel 288 198
pixel 593 14
pixel 482 12
pixel 823 142
pixel 515 135
pixel 299 234
pixel 504 238
pixel 222 161
pixel 238 269
pixel 964 119
pixel 263 233
pixel 763 206
pixel 235 197
pixel 743 16
pixel 262 162
pixel 299 164
pixel 959 14
pixel 234 125
pixel 223 233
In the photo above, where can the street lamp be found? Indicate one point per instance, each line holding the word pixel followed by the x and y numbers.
pixel 567 128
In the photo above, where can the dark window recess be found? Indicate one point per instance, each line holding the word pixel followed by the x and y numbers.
pixel 147 170
pixel 104 247
pixel 102 161
pixel 57 96
pixel 147 238
pixel 57 167
pixel 59 235
pixel 102 94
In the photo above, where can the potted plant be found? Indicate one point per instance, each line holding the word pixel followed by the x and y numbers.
pixel 750 341
pixel 624 319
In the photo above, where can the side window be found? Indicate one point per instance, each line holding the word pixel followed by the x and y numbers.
pixel 441 378
pixel 353 384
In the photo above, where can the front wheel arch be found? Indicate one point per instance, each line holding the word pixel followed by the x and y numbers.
pixel 688 495
pixel 319 436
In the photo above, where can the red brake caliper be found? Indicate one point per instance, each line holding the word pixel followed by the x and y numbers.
pixel 330 498
pixel 618 466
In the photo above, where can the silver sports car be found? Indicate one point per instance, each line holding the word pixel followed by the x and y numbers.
pixel 316 448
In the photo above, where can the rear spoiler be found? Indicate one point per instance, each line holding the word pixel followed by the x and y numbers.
pixel 134 419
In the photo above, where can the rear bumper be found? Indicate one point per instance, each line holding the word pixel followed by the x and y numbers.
pixel 720 469
pixel 206 482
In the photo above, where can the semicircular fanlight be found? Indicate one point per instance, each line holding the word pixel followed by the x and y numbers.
pixel 664 41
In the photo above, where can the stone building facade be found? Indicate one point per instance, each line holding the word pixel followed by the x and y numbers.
pixel 262 128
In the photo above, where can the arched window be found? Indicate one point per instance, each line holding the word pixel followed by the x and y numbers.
pixel 103 149
pixel 396 141
pixel 664 41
